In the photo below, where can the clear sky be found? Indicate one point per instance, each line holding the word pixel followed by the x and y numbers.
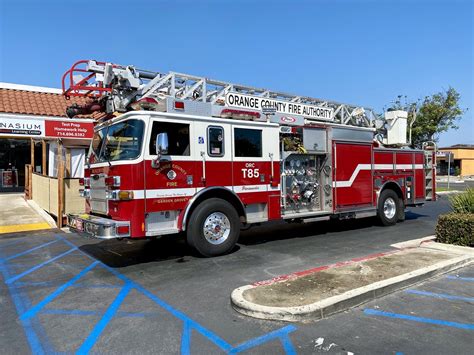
pixel 361 52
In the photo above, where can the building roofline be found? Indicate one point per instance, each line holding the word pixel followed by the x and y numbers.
pixel 31 88
pixel 45 117
pixel 459 146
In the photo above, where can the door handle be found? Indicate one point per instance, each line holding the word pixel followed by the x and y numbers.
pixel 203 178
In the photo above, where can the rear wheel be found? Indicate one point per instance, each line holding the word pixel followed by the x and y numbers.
pixel 213 228
pixel 388 209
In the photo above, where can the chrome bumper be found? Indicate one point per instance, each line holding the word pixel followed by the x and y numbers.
pixel 97 227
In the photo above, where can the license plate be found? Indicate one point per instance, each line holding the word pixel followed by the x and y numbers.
pixel 79 225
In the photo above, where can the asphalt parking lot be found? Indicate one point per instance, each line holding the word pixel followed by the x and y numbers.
pixel 63 293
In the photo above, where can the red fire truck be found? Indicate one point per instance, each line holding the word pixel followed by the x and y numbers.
pixel 181 153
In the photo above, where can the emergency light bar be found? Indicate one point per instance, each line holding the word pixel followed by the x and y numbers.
pixel 240 114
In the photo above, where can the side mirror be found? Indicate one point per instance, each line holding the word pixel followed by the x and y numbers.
pixel 161 147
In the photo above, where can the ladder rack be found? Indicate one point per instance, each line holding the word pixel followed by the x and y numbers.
pixel 119 86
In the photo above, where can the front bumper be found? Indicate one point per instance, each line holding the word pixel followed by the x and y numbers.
pixel 97 227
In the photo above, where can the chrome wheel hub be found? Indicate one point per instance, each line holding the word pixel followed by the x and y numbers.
pixel 216 228
pixel 389 208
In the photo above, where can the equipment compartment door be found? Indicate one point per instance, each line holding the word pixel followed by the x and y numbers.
pixel 352 175
pixel 254 149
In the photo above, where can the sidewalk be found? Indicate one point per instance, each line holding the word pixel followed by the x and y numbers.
pixel 316 293
pixel 17 216
pixel 453 179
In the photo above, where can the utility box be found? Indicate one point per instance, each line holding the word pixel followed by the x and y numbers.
pixel 396 127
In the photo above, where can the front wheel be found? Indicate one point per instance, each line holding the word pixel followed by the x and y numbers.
pixel 388 209
pixel 213 228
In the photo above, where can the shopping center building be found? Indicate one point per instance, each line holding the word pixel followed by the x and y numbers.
pixel 32 123
pixel 462 160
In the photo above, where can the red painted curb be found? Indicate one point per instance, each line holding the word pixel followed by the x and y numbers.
pixel 330 266
pixel 324 267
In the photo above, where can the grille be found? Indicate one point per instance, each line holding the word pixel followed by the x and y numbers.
pixel 98 194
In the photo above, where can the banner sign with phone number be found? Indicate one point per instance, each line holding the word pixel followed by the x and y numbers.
pixel 45 128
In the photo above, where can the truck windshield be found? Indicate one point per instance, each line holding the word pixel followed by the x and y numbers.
pixel 120 141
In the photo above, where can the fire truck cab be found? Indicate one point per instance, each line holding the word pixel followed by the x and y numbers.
pixel 207 169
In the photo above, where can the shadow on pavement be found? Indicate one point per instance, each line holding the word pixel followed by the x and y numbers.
pixel 115 253
pixel 410 215
pixel 282 230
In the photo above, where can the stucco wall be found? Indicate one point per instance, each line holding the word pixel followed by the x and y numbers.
pixel 467 167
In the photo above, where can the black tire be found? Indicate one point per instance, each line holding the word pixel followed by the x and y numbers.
pixel 401 211
pixel 212 211
pixel 388 209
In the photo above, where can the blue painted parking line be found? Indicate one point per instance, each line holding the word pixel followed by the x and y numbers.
pixel 186 339
pixel 89 343
pixel 441 295
pixel 38 339
pixel 20 284
pixel 287 344
pixel 32 311
pixel 78 312
pixel 34 268
pixel 459 278
pixel 4 244
pixel 20 265
pixel 21 304
pixel 29 250
pixel 267 337
pixel 189 324
pixel 374 312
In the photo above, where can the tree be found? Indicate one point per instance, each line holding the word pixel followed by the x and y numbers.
pixel 434 114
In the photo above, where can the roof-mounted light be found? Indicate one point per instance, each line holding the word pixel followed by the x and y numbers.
pixel 240 114
pixel 149 104
pixel 179 105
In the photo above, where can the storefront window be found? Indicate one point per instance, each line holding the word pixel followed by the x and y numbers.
pixel 14 154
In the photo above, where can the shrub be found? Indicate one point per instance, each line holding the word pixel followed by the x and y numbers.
pixel 456 228
pixel 464 202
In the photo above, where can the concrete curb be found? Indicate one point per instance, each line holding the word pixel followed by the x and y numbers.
pixel 414 243
pixel 42 213
pixel 349 299
pixel 450 192
pixel 457 249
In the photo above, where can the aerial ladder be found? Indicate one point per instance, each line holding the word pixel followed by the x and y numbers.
pixel 115 88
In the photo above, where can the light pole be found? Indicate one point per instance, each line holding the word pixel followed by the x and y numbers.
pixel 449 155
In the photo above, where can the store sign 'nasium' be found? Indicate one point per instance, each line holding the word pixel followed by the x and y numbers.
pixel 21 127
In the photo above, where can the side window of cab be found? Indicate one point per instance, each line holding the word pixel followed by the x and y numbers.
pixel 215 141
pixel 178 137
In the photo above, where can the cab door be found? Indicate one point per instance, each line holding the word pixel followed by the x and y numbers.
pixel 214 162
pixel 170 184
